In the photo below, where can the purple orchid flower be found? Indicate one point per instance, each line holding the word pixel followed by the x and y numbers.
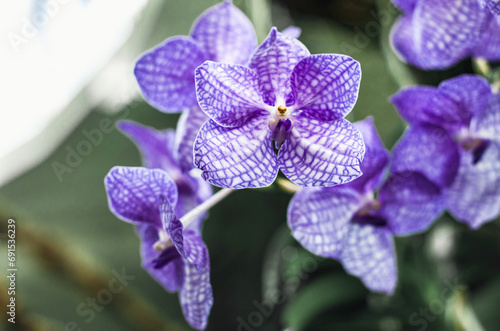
pixel 166 73
pixel 436 34
pixel 159 257
pixel 175 256
pixel 347 223
pixel 286 95
pixel 454 141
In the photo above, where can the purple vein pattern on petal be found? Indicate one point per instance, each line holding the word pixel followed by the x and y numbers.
pixel 274 61
pixel 436 35
pixel 318 218
pixel 369 254
pixel 489 46
pixel 225 34
pixel 326 86
pixel 228 94
pixel 474 196
pixel 188 243
pixel 171 276
pixel 196 294
pixel 428 150
pixel 375 161
pixel 320 153
pixel 487 123
pixel 155 146
pixel 188 126
pixel 236 157
pixel 492 5
pixel 166 74
pixel 410 203
pixel 134 194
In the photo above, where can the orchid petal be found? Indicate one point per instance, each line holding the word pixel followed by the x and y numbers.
pixel 134 194
pixel 196 295
pixel 326 86
pixel 430 38
pixel 273 61
pixel 474 196
pixel 428 150
pixel 155 146
pixel 369 254
pixel 171 276
pixel 318 218
pixel 228 94
pixel 321 154
pixel 166 74
pixel 236 157
pixel 487 123
pixel 375 161
pixel 410 203
pixel 225 34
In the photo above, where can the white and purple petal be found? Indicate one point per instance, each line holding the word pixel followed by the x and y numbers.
pixel 325 86
pixel 228 94
pixel 156 147
pixel 273 61
pixel 409 203
pixel 188 126
pixel 319 218
pixel 436 35
pixel 375 161
pixel 428 150
pixel 368 253
pixel 166 74
pixel 225 34
pixel 321 154
pixel 474 196
pixel 196 293
pixel 240 157
pixel 135 194
pixel 492 5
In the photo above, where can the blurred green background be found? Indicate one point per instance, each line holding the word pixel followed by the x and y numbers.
pixel 69 245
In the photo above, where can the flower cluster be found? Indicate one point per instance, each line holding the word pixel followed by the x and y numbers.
pixel 353 197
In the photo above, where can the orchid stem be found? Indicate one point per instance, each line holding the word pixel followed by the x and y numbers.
pixel 482 67
pixel 287 185
pixel 206 205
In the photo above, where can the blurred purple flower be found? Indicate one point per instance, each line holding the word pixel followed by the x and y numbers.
pixel 347 223
pixel 287 95
pixel 436 34
pixel 454 140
